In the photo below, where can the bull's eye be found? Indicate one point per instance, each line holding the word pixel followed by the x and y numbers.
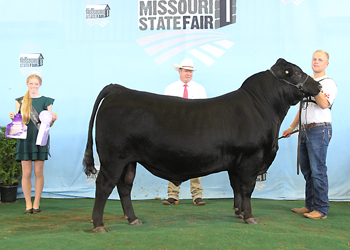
pixel 298 74
pixel 287 72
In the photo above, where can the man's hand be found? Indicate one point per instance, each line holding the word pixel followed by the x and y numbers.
pixel 286 133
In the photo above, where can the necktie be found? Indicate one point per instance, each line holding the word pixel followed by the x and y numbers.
pixel 185 95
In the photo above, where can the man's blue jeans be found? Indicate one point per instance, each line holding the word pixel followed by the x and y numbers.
pixel 313 153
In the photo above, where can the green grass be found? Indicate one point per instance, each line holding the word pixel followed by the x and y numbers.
pixel 65 224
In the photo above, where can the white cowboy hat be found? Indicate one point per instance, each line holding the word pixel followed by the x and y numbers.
pixel 187 63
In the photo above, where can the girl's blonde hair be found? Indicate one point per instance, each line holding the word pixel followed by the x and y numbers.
pixel 27 102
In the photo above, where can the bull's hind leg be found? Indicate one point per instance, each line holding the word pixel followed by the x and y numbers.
pixel 124 187
pixel 105 184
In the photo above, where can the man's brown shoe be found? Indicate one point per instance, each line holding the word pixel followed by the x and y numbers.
pixel 170 201
pixel 315 215
pixel 199 202
pixel 302 210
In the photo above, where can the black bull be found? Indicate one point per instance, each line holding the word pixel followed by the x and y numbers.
pixel 178 139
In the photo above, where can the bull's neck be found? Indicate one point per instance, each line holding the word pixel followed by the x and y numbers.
pixel 273 98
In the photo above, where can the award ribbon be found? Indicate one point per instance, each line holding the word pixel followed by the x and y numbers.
pixel 16 129
pixel 44 130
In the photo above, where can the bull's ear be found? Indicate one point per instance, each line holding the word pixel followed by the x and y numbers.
pixel 278 68
pixel 281 60
pixel 286 69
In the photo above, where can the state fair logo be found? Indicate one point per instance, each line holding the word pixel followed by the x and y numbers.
pixel 175 26
pixel 97 13
pixel 31 58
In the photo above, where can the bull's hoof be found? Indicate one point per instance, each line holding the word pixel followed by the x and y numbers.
pixel 240 216
pixel 136 223
pixel 100 230
pixel 251 221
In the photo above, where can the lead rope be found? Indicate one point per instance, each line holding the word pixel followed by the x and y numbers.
pixel 299 136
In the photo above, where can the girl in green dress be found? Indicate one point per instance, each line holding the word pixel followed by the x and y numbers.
pixel 27 151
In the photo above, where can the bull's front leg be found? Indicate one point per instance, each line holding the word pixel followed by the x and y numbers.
pixel 235 184
pixel 247 188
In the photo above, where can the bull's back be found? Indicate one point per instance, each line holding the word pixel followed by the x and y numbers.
pixel 142 114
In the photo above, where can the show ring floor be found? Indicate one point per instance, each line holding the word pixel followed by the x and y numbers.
pixel 65 224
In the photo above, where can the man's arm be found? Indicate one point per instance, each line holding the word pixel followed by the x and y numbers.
pixel 322 101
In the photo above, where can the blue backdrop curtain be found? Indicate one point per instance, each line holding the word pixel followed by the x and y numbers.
pixel 85 45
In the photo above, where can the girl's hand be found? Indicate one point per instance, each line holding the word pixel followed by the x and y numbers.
pixel 54 118
pixel 12 115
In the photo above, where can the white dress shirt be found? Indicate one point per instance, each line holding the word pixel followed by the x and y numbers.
pixel 195 90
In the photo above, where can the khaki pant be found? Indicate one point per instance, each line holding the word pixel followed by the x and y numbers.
pixel 196 189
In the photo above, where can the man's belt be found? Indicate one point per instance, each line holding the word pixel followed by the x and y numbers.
pixel 311 125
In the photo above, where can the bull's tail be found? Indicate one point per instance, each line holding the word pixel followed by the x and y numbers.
pixel 88 161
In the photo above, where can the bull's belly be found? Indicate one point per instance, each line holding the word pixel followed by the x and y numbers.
pixel 182 171
pixel 183 166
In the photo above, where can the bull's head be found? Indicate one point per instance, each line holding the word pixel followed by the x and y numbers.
pixel 293 75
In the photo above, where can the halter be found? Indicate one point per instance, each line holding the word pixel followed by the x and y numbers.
pixel 299 85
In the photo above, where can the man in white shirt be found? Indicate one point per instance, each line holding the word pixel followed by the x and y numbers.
pixel 185 88
pixel 316 133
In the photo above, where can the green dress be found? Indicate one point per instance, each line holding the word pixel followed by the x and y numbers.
pixel 27 149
